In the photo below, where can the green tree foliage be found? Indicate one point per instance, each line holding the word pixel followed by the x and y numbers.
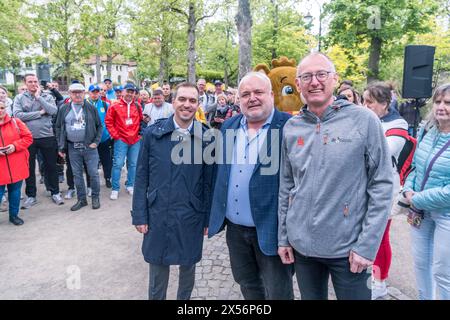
pixel 381 23
pixel 218 49
pixel 157 41
pixel 278 30
pixel 14 35
pixel 59 21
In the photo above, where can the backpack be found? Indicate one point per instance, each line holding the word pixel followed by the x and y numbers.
pixel 405 158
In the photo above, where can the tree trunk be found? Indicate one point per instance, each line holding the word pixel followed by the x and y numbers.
pixel 109 59
pixel 163 60
pixel 374 59
pixel 68 73
pixel 98 61
pixel 191 43
pixel 243 21
pixel 276 25
pixel 226 64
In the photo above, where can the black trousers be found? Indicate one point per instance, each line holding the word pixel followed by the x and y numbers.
pixel 105 154
pixel 313 274
pixel 49 149
pixel 260 276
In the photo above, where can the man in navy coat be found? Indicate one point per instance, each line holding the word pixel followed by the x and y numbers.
pixel 245 198
pixel 171 199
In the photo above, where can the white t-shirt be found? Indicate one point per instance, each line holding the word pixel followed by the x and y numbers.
pixel 155 113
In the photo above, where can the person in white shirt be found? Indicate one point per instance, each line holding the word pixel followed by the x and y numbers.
pixel 158 109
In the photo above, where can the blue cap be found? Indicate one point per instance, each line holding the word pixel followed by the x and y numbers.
pixel 93 87
pixel 130 86
pixel 107 79
pixel 118 88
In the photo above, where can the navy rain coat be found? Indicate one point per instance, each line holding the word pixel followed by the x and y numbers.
pixel 173 199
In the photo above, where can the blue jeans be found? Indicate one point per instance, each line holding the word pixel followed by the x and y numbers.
pixel 260 277
pixel 159 280
pixel 14 190
pixel 89 157
pixel 431 254
pixel 123 150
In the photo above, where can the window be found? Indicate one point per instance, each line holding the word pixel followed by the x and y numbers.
pixel 119 79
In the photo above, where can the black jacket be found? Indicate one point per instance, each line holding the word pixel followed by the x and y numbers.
pixel 94 128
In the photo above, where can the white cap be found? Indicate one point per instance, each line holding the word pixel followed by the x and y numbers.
pixel 77 87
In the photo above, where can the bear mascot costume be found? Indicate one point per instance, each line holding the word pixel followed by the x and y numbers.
pixel 282 75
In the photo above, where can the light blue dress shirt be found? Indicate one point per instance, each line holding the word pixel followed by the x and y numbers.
pixel 245 157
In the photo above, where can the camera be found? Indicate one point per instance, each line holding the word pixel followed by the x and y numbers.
pixel 415 216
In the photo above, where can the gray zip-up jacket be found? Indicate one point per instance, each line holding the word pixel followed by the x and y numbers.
pixel 335 183
pixel 27 109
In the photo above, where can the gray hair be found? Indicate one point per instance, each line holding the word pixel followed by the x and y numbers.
pixel 438 93
pixel 255 74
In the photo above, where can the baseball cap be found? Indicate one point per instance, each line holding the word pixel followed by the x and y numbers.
pixel 77 87
pixel 130 86
pixel 107 79
pixel 118 88
pixel 218 83
pixel 93 87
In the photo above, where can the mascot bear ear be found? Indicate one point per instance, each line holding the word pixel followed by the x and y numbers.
pixel 283 62
pixel 263 68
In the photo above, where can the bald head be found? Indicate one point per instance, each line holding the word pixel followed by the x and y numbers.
pixel 314 57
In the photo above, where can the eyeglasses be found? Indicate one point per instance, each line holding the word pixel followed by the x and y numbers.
pixel 320 76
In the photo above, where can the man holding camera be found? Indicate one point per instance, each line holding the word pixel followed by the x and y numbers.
pixel 36 108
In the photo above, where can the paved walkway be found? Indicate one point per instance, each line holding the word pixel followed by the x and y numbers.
pixel 58 254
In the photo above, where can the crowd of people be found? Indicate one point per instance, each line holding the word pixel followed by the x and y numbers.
pixel 325 211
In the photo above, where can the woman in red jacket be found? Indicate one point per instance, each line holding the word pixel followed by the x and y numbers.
pixel 15 138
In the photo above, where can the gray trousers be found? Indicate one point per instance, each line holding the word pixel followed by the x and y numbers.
pixel 159 280
pixel 90 157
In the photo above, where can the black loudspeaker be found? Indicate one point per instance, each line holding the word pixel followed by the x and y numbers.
pixel 418 72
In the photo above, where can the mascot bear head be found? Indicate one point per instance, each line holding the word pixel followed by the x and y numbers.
pixel 282 76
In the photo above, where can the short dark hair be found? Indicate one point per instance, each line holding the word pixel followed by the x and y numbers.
pixel 29 75
pixel 184 85
pixel 380 91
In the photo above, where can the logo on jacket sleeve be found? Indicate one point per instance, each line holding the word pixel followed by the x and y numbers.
pixel 300 141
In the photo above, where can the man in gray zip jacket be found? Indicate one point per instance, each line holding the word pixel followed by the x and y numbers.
pixel 36 108
pixel 335 188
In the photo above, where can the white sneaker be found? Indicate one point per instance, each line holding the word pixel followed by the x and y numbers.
pixel 130 190
pixel 114 195
pixel 379 289
pixel 57 199
pixel 70 194
pixel 89 192
pixel 28 203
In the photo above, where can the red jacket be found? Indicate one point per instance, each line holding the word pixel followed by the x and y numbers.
pixel 117 124
pixel 14 167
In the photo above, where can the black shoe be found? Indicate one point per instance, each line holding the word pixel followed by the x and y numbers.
pixel 108 183
pixel 16 221
pixel 95 203
pixel 80 204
